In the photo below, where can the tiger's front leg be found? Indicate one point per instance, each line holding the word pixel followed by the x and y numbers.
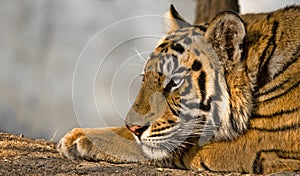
pixel 106 144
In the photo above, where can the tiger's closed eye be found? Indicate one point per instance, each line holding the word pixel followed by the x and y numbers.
pixel 173 84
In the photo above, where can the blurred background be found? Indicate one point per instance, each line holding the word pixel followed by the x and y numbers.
pixel 66 64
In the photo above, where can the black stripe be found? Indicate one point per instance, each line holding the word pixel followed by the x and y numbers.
pixel 165 50
pixel 284 93
pixel 279 113
pixel 174 111
pixel 177 47
pixel 205 167
pixel 206 107
pixel 263 76
pixel 282 128
pixel 160 134
pixel 202 28
pixel 171 122
pixel 232 120
pixel 276 87
pixel 175 60
pixel 162 45
pixel 202 84
pixel 181 159
pixel 196 65
pixel 169 86
pixel 159 129
pixel 203 119
pixel 257 167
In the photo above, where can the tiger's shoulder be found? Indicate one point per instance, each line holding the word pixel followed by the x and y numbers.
pixel 272 41
pixel 285 15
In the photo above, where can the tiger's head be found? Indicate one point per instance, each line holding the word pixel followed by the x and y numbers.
pixel 184 94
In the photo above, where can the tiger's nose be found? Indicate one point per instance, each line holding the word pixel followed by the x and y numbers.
pixel 137 129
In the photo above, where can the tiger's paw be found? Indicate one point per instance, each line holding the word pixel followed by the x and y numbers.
pixel 100 144
pixel 74 145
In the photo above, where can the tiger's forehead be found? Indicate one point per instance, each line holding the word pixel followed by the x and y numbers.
pixel 161 62
pixel 173 48
pixel 183 36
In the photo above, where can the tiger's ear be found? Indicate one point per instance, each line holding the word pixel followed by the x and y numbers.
pixel 174 20
pixel 226 33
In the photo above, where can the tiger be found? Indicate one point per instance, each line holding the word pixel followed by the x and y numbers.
pixel 222 96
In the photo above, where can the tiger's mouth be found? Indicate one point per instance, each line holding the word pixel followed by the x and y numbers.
pixel 162 145
pixel 153 147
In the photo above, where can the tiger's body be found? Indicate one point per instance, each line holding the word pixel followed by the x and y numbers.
pixel 221 97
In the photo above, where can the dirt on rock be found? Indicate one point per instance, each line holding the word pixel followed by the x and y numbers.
pixel 24 156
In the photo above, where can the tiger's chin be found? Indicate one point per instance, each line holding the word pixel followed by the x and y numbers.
pixel 155 152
